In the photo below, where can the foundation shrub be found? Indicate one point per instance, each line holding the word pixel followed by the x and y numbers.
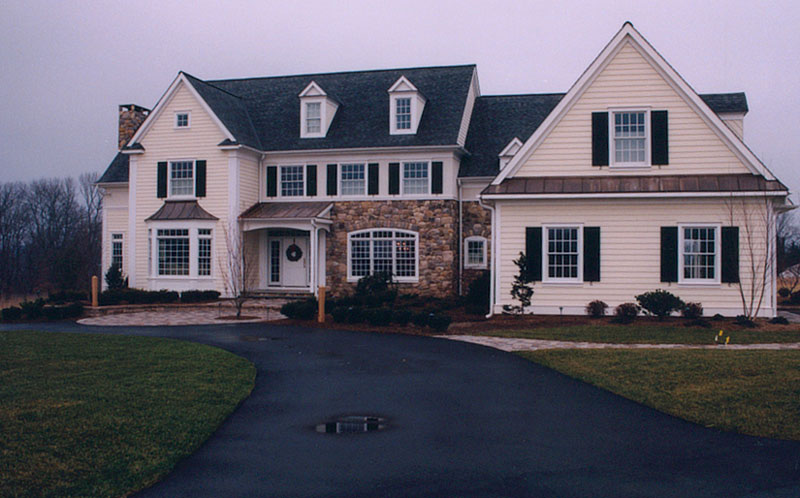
pixel 305 309
pixel 692 311
pixel 199 296
pixel 660 303
pixel 11 314
pixel 32 310
pixel 378 316
pixel 625 313
pixel 401 316
pixel 64 297
pixel 596 309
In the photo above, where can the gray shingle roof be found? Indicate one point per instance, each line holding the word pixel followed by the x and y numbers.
pixel 117 171
pixel 362 119
pixel 726 102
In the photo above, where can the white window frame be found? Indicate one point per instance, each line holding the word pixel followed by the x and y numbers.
pixel 188 115
pixel 403 178
pixel 546 278
pixel 475 238
pixel 323 117
pixel 612 149
pixel 210 238
pixel 717 254
pixel 118 238
pixel 170 195
pixel 340 174
pixel 193 226
pixel 409 279
pixel 414 104
pixel 398 114
pixel 309 118
pixel 280 181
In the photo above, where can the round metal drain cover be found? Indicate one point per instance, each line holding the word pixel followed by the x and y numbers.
pixel 352 424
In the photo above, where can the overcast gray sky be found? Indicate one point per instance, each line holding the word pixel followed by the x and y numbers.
pixel 67 65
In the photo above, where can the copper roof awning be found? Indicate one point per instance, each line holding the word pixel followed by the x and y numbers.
pixel 634 184
pixel 286 211
pixel 181 210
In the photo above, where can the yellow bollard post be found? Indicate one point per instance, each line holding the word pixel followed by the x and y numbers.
pixel 321 300
pixel 94 291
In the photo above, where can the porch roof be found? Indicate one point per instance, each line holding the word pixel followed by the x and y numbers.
pixel 286 211
pixel 181 210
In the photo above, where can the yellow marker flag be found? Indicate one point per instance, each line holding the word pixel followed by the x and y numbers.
pixel 727 340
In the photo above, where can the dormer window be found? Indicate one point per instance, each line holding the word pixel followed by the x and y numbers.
pixel 403 113
pixel 508 153
pixel 316 111
pixel 406 104
pixel 313 117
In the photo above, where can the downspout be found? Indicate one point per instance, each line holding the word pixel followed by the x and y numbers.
pixel 314 258
pixel 460 239
pixel 493 266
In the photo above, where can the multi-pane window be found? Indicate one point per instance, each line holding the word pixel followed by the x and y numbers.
pixel 204 251
pixel 563 253
pixel 173 251
pixel 630 137
pixel 182 120
pixel 353 179
pixel 292 181
pixel 380 250
pixel 699 253
pixel 275 261
pixel 475 252
pixel 116 250
pixel 181 178
pixel 403 113
pixel 415 178
pixel 313 117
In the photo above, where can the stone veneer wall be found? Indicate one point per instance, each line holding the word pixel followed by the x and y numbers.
pixel 436 221
pixel 477 222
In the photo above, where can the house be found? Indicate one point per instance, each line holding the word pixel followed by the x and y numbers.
pixel 321 179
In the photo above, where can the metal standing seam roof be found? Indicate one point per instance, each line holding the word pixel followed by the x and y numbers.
pixel 181 210
pixel 285 210
pixel 635 184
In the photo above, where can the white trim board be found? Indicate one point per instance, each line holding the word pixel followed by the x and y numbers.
pixel 628 34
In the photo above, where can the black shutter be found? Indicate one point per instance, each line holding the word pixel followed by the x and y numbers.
pixel 599 139
pixel 374 179
pixel 200 179
pixel 591 254
pixel 436 178
pixel 533 253
pixel 311 180
pixel 669 254
pixel 730 254
pixel 272 181
pixel 394 178
pixel 659 146
pixel 161 183
pixel 332 179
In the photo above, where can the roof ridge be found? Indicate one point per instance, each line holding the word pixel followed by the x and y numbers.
pixel 343 72
pixel 547 94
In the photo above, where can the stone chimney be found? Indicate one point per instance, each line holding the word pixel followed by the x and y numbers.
pixel 131 116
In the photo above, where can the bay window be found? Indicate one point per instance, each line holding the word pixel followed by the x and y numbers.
pixel 383 250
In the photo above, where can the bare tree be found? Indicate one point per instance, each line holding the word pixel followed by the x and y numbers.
pixel 13 232
pixel 238 268
pixel 92 198
pixel 756 218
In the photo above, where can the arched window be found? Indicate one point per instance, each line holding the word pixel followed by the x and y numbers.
pixel 383 249
pixel 475 252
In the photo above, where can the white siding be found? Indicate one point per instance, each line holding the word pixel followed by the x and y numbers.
pixel 630 80
pixel 249 180
pixel 630 249
pixel 470 104
pixel 163 142
pixel 115 220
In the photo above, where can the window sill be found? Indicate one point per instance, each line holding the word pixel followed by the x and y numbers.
pixel 713 283
pixel 399 280
pixel 567 283
pixel 181 277
pixel 630 166
pixel 475 267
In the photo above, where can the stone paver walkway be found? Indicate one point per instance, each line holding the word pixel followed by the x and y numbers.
pixel 183 317
pixel 514 344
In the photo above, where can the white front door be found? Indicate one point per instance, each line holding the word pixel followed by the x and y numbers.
pixel 288 261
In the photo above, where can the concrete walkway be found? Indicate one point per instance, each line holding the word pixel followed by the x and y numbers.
pixel 514 344
pixel 183 317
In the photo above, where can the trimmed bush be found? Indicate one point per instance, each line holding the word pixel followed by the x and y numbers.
pixel 692 311
pixel 717 317
pixel 11 314
pixel 477 298
pixel 660 303
pixel 744 321
pixel 378 316
pixel 355 314
pixel 439 321
pixel 32 309
pixel 339 314
pixel 779 320
pixel 596 309
pixel 136 296
pixel 114 278
pixel 784 292
pixel 420 319
pixel 625 313
pixel 199 296
pixel 401 316
pixel 64 297
pixel 300 310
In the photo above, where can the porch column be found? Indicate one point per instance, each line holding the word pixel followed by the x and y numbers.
pixel 313 258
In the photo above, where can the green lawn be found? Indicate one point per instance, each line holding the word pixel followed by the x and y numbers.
pixel 753 392
pixel 97 415
pixel 650 334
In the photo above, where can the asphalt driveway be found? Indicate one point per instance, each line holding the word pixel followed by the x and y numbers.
pixel 463 420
